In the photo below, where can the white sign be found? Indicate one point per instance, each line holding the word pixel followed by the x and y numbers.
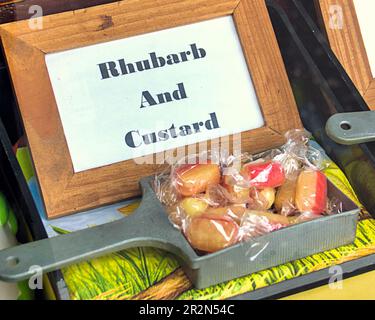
pixel 146 94
pixel 365 10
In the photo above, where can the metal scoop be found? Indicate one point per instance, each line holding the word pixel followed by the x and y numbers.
pixel 149 226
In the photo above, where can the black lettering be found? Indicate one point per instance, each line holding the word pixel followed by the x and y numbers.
pixel 147 98
pixel 180 93
pixel 172 131
pixel 149 138
pixel 120 67
pixel 107 67
pixel 163 135
pixel 164 97
pixel 126 68
pixel 143 65
pixel 197 53
pixel 129 139
pixel 157 62
pixel 184 56
pixel 196 127
pixel 134 139
pixel 173 59
pixel 185 131
pixel 212 123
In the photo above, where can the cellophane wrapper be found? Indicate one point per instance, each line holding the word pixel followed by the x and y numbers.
pixel 220 201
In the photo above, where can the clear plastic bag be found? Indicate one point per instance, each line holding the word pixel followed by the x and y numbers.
pixel 216 204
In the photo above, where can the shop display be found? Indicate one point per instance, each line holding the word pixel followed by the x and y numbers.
pixel 253 237
pixel 244 210
pixel 159 275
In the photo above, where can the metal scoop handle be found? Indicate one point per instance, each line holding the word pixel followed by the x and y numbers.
pixel 147 227
pixel 352 128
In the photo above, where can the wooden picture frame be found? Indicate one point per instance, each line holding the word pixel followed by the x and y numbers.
pixel 65 192
pixel 348 45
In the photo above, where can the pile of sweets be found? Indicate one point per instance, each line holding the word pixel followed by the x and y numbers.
pixel 217 204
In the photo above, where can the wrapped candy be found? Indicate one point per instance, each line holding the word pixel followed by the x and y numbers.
pixel 261 199
pixel 192 179
pixel 235 192
pixel 285 201
pixel 210 233
pixel 257 223
pixel 217 205
pixel 264 174
pixel 236 212
pixel 193 206
pixel 311 192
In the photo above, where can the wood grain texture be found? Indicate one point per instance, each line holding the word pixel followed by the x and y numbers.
pixel 348 45
pixel 13 10
pixel 65 192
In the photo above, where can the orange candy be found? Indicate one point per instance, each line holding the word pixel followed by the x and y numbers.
pixel 286 197
pixel 193 179
pixel 311 192
pixel 211 233
pixel 235 212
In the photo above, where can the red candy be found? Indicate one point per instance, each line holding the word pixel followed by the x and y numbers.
pixel 264 175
